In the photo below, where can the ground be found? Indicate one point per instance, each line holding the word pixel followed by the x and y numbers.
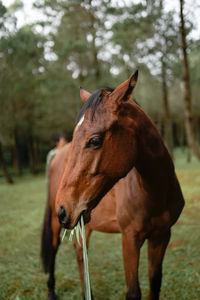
pixel 21 277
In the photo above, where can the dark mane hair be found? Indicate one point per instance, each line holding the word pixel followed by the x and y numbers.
pixel 93 102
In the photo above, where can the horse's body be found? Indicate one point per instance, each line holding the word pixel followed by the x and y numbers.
pixel 114 138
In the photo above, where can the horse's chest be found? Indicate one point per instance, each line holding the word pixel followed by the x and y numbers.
pixel 140 205
pixel 142 220
pixel 141 212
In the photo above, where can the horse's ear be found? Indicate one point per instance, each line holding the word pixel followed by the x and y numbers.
pixel 84 94
pixel 124 90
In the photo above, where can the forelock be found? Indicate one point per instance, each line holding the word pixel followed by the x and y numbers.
pixel 92 103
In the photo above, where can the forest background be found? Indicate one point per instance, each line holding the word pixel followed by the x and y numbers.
pixel 93 44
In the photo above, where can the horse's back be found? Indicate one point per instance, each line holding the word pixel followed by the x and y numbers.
pixel 56 171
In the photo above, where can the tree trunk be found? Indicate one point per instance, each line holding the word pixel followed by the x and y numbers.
pixel 182 137
pixel 36 155
pixel 3 167
pixel 16 159
pixel 197 129
pixel 187 91
pixel 94 48
pixel 167 125
pixel 32 166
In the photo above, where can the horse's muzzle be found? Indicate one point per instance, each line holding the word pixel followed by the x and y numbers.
pixel 67 222
pixel 63 217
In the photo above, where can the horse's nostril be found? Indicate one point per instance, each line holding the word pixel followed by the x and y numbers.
pixel 62 214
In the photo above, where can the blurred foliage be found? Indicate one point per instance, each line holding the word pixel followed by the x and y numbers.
pixel 90 43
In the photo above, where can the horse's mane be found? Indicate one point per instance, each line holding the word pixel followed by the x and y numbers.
pixel 93 102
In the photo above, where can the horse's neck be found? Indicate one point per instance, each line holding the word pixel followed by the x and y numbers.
pixel 153 160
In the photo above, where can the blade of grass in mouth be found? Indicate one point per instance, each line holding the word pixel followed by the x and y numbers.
pixel 79 229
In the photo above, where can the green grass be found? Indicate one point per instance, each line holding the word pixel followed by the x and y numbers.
pixel 21 277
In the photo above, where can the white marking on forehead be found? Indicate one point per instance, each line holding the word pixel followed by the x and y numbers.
pixel 80 122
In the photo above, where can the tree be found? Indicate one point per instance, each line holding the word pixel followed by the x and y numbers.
pixel 4 168
pixel 146 34
pixel 165 49
pixel 187 89
pixel 21 60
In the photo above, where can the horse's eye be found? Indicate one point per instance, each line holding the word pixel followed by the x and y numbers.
pixel 95 141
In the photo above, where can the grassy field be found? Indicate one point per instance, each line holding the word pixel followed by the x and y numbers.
pixel 21 277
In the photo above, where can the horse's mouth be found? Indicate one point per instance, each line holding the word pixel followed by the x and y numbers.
pixel 86 218
pixel 86 213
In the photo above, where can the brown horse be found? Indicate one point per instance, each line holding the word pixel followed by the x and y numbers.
pixel 103 219
pixel 114 137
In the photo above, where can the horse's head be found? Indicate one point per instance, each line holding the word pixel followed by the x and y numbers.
pixel 103 150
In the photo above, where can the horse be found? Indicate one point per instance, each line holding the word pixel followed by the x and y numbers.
pixel 114 141
pixel 103 218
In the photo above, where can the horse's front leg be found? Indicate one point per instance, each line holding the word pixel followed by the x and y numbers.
pixel 79 256
pixel 131 244
pixel 156 251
